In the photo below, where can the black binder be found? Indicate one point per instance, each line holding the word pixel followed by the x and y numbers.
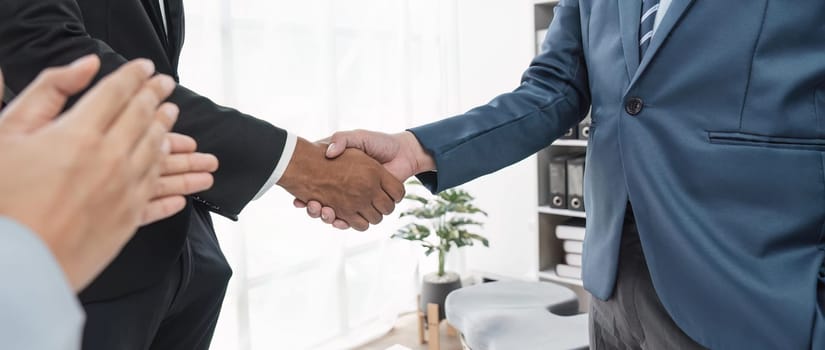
pixel 575 183
pixel 558 182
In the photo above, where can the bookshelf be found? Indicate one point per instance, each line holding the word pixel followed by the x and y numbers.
pixel 550 248
pixel 550 275
pixel 571 143
pixel 543 209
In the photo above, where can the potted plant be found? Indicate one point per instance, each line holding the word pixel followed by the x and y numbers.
pixel 442 224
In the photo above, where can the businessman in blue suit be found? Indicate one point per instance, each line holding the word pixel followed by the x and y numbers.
pixel 709 122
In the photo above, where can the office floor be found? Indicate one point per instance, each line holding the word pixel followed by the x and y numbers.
pixel 406 333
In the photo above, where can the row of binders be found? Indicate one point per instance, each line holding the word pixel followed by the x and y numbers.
pixel 572 235
pixel 567 181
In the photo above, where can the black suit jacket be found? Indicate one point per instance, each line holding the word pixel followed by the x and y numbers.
pixel 38 34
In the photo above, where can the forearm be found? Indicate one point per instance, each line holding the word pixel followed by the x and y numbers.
pixel 490 138
pixel 249 149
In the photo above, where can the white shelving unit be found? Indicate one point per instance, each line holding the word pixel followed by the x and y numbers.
pixel 550 249
pixel 571 143
pixel 550 275
pixel 562 212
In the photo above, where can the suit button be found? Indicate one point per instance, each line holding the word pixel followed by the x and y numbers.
pixel 634 106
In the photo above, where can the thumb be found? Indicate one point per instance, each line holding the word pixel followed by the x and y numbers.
pixel 340 141
pixel 45 98
pixel 380 146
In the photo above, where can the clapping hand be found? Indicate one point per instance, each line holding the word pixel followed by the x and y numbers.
pixel 84 182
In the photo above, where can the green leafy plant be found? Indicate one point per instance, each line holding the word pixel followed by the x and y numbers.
pixel 448 216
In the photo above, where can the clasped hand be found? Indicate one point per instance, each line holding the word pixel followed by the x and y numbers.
pixel 357 186
pixel 401 156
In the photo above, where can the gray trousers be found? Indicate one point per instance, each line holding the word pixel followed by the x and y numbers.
pixel 633 317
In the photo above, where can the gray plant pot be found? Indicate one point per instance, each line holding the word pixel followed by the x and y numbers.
pixel 434 290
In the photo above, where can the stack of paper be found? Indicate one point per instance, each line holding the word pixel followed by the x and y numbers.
pixel 572 233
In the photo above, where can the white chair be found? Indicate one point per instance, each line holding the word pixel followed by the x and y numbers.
pixel 517 316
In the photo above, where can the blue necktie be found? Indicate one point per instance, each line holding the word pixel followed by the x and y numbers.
pixel 649 9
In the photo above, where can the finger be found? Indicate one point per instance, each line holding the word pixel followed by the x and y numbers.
pixel 104 102
pixel 299 203
pixel 44 99
pixel 394 188
pixel 384 205
pixel 327 215
pixel 189 163
pixel 162 208
pixel 372 215
pixel 314 209
pixel 143 110
pixel 167 114
pixel 359 223
pixel 181 143
pixel 150 151
pixel 183 184
pixel 341 224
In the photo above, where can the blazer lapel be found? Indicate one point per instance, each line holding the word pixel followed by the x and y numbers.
pixel 175 30
pixel 152 7
pixel 677 10
pixel 629 17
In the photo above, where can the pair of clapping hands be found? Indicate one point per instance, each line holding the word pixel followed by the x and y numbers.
pixel 85 181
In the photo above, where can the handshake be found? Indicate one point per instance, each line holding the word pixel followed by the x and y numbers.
pixel 353 178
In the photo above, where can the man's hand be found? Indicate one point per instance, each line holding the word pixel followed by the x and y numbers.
pixel 359 189
pixel 401 154
pixel 84 182
pixel 184 172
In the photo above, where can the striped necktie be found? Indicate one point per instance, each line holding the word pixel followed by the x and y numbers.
pixel 649 9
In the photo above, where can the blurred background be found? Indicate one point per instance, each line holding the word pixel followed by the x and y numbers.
pixel 317 66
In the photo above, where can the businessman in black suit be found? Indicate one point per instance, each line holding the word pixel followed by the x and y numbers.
pixel 164 291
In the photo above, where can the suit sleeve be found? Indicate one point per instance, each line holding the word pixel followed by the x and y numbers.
pixel 35 35
pixel 40 311
pixel 553 96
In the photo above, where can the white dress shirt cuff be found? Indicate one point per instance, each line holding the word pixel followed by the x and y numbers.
pixel 286 157
pixel 39 308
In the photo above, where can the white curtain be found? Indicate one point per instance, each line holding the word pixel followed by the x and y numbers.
pixel 313 67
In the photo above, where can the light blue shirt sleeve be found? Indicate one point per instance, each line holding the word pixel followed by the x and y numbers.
pixel 38 309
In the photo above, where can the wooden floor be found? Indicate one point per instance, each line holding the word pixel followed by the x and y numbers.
pixel 406 333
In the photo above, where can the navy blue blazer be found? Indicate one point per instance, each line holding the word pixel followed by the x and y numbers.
pixel 717 137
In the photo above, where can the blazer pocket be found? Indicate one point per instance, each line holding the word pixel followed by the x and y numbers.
pixel 744 139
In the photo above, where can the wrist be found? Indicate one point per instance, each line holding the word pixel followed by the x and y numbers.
pixel 421 159
pixel 296 169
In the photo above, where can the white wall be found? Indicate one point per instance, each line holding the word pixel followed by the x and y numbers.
pixel 495 40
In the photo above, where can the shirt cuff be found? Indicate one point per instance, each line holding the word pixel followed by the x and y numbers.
pixel 40 310
pixel 283 162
